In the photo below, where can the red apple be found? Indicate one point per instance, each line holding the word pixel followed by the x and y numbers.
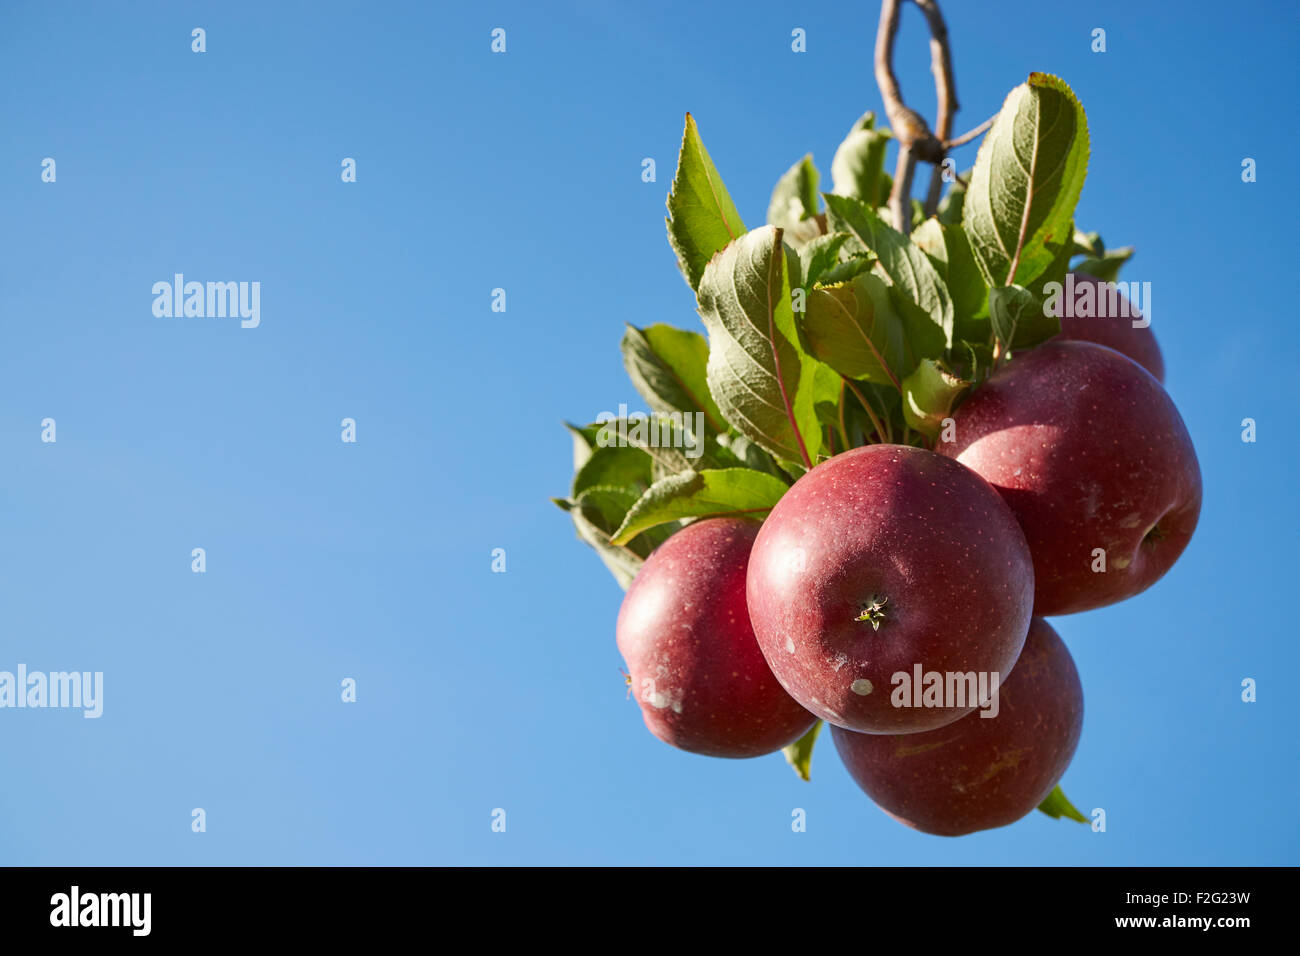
pixel 695 667
pixel 980 772
pixel 882 559
pixel 1093 458
pixel 1091 312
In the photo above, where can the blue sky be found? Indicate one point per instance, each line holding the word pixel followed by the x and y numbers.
pixel 372 560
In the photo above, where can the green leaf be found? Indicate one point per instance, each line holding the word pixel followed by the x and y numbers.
pixel 1018 317
pixel 970 359
pixel 886 187
pixel 855 329
pixel 799 754
pixel 1106 268
pixel 860 160
pixel 922 338
pixel 950 252
pixel 1057 805
pixel 918 213
pixel 1055 269
pixel 1089 244
pixel 672 443
pixel 795 196
pixel 885 402
pixel 1027 180
pixel 860 428
pixel 929 394
pixel 667 366
pixel 950 206
pixel 853 266
pixel 702 219
pixel 605 508
pixel 828 386
pixel 819 255
pixel 615 467
pixel 908 269
pixel 761 380
pixel 584 442
pixel 728 492
pixel 596 513
pixel 749 455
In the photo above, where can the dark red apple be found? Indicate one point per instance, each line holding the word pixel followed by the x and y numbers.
pixel 1091 312
pixel 1095 461
pixel 980 772
pixel 879 560
pixel 695 667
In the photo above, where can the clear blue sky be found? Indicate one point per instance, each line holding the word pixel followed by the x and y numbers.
pixel 372 560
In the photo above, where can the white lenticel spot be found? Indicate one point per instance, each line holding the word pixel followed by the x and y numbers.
pixel 861 686
pixel 789 646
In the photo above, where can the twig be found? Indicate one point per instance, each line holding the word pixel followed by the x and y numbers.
pixel 945 91
pixel 935 192
pixel 915 140
pixel 965 138
pixel 907 125
pixel 945 87
pixel 936 178
pixel 900 196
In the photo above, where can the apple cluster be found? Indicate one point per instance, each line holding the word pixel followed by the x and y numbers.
pixel 738 636
pixel 890 578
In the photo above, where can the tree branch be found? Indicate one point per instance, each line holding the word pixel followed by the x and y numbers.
pixel 915 140
pixel 907 125
pixel 900 196
pixel 945 90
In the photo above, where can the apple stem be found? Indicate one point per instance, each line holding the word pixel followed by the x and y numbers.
pixel 882 431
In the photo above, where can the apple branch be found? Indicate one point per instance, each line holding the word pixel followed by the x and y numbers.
pixel 915 139
pixel 945 90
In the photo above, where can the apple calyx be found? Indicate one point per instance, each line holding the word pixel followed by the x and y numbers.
pixel 873 612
